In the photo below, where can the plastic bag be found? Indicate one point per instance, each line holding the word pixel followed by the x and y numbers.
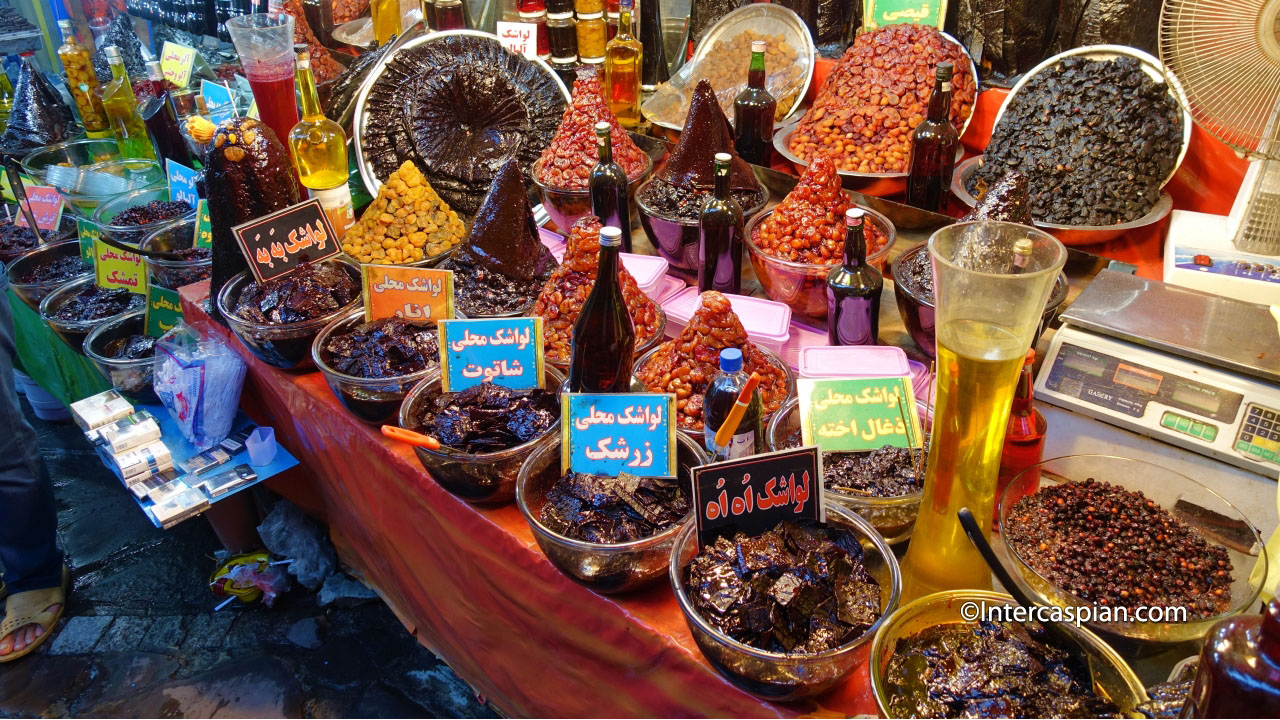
pixel 199 382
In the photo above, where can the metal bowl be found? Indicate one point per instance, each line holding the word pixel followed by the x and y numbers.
pixel 1074 235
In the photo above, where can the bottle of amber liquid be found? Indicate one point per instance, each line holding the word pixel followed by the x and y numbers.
pixel 753 113
pixel 720 235
pixel 1239 673
pixel 319 149
pixel 121 107
pixel 386 19
pixel 603 346
pixel 1024 437
pixel 162 120
pixel 608 187
pixel 853 289
pixel 82 81
pixel 933 149
pixel 622 61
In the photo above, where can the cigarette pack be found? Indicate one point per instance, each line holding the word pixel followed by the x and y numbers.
pixel 104 408
pixel 163 493
pixel 179 507
pixel 227 480
pixel 126 434
pixel 235 441
pixel 143 462
pixel 206 460
pixel 142 488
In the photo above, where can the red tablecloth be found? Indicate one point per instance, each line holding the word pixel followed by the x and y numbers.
pixel 473 586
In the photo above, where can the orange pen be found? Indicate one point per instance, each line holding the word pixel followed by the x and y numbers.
pixel 410 437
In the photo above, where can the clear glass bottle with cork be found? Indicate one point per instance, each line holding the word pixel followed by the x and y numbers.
pixel 623 58
pixel 318 146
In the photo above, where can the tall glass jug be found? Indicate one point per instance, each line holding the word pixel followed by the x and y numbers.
pixel 991 282
pixel 264 42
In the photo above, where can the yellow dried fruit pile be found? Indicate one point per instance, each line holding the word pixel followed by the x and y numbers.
pixel 406 223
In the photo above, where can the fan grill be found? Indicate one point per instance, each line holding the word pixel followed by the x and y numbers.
pixel 1224 57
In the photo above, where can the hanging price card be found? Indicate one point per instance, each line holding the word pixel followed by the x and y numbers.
pixel 854 414
pixel 503 351
pixel 609 434
pixel 46 205
pixel 116 268
pixel 219 99
pixel 204 226
pixel 88 234
pixel 176 61
pixel 164 310
pixel 519 38
pixel 753 494
pixel 277 244
pixel 182 183
pixel 411 293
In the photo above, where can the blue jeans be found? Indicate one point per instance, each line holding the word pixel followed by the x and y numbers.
pixel 28 522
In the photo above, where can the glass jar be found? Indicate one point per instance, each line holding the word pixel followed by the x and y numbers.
pixel 591 37
pixel 588 7
pixel 540 20
pixel 450 15
pixel 562 37
pixel 531 6
pixel 559 7
pixel 612 19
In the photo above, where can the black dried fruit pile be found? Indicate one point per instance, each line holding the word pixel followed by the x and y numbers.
pixel 1095 138
pixel 1115 547
pixel 121 34
pixel 310 292
pixel 389 347
pixel 59 270
pixel 916 272
pixel 885 472
pixel 488 418
pixel 96 303
pixel 798 588
pixel 989 670
pixel 673 201
pixel 135 347
pixel 154 211
pixel 607 509
pixel 16 238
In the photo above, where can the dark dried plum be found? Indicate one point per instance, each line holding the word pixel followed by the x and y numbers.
pixel 134 347
pixel 489 418
pixel 312 291
pixel 59 270
pixel 96 303
pixel 606 509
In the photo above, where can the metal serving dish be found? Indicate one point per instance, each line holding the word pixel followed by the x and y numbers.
pixel 1069 234
pixel 760 17
pixel 371 181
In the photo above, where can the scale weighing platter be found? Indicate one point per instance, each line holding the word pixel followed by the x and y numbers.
pixel 1192 369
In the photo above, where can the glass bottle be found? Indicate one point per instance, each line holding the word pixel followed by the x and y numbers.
pixel 6 98
pixel 720 235
pixel 82 81
pixel 604 337
pixel 753 113
pixel 562 36
pixel 853 289
pixel 450 15
pixel 1023 439
pixel 623 57
pixel 386 19
pixel 429 14
pixel 121 108
pixel 653 68
pixel 721 396
pixel 933 149
pixel 1239 672
pixel 319 150
pixel 608 187
pixel 161 119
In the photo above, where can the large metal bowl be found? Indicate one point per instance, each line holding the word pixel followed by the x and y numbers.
pixel 1068 234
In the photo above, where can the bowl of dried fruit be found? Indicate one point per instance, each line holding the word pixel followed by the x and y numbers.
pixel 566 205
pixel 1155 557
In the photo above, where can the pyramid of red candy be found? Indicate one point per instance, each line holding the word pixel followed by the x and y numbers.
pixel 567 289
pixel 685 366
pixel 808 226
pixel 567 161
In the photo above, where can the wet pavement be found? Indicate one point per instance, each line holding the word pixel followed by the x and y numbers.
pixel 141 638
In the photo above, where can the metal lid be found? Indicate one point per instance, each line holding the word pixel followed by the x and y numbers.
pixel 112 52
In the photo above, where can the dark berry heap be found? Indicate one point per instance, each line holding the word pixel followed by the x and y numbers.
pixel 1111 546
pixel 389 347
pixel 59 270
pixel 607 509
pixel 134 347
pixel 96 303
pixel 488 418
pixel 310 292
pixel 154 211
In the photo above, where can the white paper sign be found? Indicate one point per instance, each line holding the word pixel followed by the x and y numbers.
pixel 519 38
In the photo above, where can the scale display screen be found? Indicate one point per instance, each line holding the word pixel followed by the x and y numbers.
pixel 1196 399
pixel 1089 364
pixel 1138 379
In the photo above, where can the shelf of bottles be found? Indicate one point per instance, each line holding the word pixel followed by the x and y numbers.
pixel 198 17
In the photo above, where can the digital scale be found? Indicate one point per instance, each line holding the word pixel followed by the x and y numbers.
pixel 1199 254
pixel 1189 368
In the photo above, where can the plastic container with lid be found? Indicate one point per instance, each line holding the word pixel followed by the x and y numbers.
pixel 766 322
pixel 665 288
pixel 559 7
pixel 853 361
pixel 648 270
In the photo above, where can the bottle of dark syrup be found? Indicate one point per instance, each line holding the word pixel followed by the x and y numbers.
pixel 603 347
pixel 722 393
pixel 720 235
pixel 162 122
pixel 753 113
pixel 1239 673
pixel 607 185
pixel 933 149
pixel 853 289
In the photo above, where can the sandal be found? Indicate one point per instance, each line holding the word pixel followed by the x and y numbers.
pixel 27 608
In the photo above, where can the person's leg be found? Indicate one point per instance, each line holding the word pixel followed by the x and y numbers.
pixel 28 522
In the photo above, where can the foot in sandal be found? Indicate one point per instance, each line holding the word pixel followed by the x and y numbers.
pixel 23 637
pixel 30 618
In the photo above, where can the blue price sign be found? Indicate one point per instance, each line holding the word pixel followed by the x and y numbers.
pixel 609 434
pixel 220 100
pixel 503 351
pixel 182 183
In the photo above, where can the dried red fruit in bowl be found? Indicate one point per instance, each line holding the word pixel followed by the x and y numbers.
pixel 808 225
pixel 566 163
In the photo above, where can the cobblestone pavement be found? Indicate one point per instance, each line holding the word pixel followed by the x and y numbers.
pixel 141 639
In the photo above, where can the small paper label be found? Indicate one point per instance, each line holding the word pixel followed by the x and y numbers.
pixel 878 13
pixel 754 494
pixel 519 38
pixel 46 205
pixel 204 226
pixel 182 183
pixel 277 244
pixel 503 351
pixel 116 268
pixel 609 434
pixel 176 62
pixel 855 414
pixel 164 310
pixel 88 234
pixel 411 293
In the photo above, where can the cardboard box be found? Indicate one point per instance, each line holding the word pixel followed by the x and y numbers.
pixel 104 408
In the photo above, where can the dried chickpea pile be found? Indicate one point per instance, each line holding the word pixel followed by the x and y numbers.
pixel 727 63
pixel 406 223
pixel 567 289
pixel 685 365
pixel 567 161
pixel 877 94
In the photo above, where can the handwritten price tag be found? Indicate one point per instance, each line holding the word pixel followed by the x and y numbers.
pixel 609 434
pixel 277 244
pixel 753 494
pixel 46 205
pixel 182 183
pixel 164 310
pixel 119 269
pixel 503 351
pixel 878 13
pixel 88 234
pixel 519 38
pixel 177 61
pixel 411 293
pixel 204 226
pixel 853 414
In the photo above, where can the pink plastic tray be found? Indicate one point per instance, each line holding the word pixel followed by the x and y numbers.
pixel 766 322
